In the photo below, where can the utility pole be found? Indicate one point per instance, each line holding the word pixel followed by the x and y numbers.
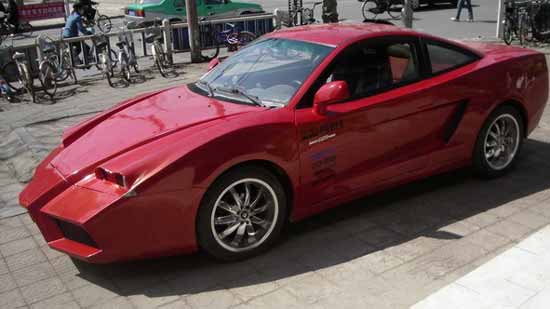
pixel 407 14
pixel 500 18
pixel 194 31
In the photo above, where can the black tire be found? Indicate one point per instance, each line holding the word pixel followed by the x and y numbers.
pixel 523 30
pixel 11 74
pixel 211 46
pixel 47 78
pixel 394 10
pixel 369 9
pixel 104 24
pixel 206 228
pixel 507 33
pixel 125 68
pixel 161 61
pixel 481 165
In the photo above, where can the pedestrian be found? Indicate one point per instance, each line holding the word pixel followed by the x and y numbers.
pixel 461 4
pixel 73 27
pixel 13 14
pixel 330 12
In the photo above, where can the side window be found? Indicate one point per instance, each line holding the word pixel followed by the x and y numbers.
pixel 213 2
pixel 179 4
pixel 444 57
pixel 369 68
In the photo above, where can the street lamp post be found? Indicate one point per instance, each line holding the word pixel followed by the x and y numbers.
pixel 194 31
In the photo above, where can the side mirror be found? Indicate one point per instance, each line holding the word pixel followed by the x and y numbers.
pixel 330 93
pixel 213 63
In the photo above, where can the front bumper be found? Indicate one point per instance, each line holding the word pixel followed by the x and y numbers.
pixel 103 227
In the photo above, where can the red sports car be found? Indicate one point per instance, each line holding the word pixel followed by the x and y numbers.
pixel 300 121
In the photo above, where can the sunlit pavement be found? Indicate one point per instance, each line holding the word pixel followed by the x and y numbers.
pixel 391 250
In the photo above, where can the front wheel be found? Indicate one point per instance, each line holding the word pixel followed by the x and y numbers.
pixel 499 142
pixel 47 78
pixel 12 76
pixel 370 9
pixel 242 214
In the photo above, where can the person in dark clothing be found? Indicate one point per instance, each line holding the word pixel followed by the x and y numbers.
pixel 330 12
pixel 461 5
pixel 73 27
pixel 13 15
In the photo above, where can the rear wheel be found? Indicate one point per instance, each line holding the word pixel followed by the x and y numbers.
pixel 499 142
pixel 47 78
pixel 370 9
pixel 12 76
pixel 507 33
pixel 242 214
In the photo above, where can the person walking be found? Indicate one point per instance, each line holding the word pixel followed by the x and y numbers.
pixel 461 4
pixel 330 11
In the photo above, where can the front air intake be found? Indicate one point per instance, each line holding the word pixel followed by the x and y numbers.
pixel 75 233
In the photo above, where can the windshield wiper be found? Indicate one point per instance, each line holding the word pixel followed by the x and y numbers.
pixel 208 87
pixel 252 98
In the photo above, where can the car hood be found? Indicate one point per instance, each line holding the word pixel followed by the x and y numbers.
pixel 137 122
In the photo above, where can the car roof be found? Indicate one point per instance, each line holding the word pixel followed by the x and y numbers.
pixel 337 33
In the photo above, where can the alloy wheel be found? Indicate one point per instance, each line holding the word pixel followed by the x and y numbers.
pixel 502 141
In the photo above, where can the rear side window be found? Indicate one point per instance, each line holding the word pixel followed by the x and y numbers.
pixel 444 57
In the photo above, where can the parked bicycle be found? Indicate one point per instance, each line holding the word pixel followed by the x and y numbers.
pixel 539 17
pixel 18 74
pixel 372 8
pixel 93 18
pixel 7 29
pixel 303 15
pixel 232 38
pixel 48 65
pixel 104 64
pixel 155 38
pixel 516 22
pixel 126 54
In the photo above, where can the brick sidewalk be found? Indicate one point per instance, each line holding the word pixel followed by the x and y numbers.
pixel 388 251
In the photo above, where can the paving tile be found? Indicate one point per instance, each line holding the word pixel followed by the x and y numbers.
pixel 178 304
pixel 509 229
pixel 378 261
pixel 7 283
pixel 530 219
pixel 12 234
pixel 454 296
pixel 11 299
pixel 3 266
pixel 538 301
pixel 482 219
pixel 62 301
pixel 506 210
pixel 413 248
pixel 154 296
pixel 17 246
pixel 380 237
pixel 25 259
pixel 33 273
pixel 542 208
pixel 120 302
pixel 42 290
pixel 277 299
pixel 312 288
pixel 92 294
pixel 51 253
pixel 487 240
pixel 459 228
pixel 251 286
pixel 216 298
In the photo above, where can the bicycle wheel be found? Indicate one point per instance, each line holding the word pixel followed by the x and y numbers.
pixel 104 24
pixel 210 45
pixel 370 9
pixel 523 30
pixel 160 61
pixel 26 80
pixel 124 67
pixel 507 33
pixel 63 65
pixel 12 76
pixel 46 75
pixel 395 8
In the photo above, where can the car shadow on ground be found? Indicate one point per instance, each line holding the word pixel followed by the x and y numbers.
pixel 340 235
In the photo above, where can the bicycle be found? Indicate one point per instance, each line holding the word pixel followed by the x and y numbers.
pixel 515 22
pixel 372 8
pixel 104 64
pixel 126 54
pixel 306 16
pixel 92 18
pixel 18 75
pixel 154 37
pixel 48 65
pixel 539 15
pixel 231 38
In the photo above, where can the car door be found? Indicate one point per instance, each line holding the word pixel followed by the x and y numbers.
pixel 382 134
pixel 213 8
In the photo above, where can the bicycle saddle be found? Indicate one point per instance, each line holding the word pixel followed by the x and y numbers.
pixel 18 55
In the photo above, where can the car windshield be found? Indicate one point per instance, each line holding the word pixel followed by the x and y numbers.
pixel 268 72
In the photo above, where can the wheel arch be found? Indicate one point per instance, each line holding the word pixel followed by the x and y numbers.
pixel 522 111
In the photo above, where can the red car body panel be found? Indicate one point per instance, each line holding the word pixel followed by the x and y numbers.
pixel 171 145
